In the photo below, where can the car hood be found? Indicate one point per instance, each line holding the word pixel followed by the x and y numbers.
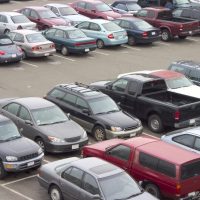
pixel 55 21
pixel 112 14
pixel 143 196
pixel 100 84
pixel 118 119
pixel 19 147
pixel 10 49
pixel 76 18
pixel 28 25
pixel 62 130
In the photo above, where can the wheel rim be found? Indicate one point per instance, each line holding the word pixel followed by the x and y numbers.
pixel 41 144
pixel 165 35
pixel 64 51
pixel 99 134
pixel 55 194
pixel 152 191
pixel 155 124
pixel 100 44
pixel 131 41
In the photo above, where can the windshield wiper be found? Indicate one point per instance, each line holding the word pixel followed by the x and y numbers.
pixel 99 113
pixel 58 122
pixel 133 195
pixel 13 138
pixel 112 111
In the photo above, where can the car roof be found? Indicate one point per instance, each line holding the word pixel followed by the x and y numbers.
pixel 33 102
pixel 25 31
pixel 126 1
pixel 92 1
pixel 11 13
pixel 65 28
pixel 188 63
pixel 167 74
pixel 57 5
pixel 36 7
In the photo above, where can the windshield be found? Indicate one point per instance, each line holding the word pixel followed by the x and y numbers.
pixel 103 105
pixel 110 26
pixel 119 186
pixel 178 82
pixel 47 14
pixel 133 6
pixel 35 37
pixel 74 34
pixel 49 115
pixel 5 41
pixel 20 19
pixel 103 7
pixel 67 11
pixel 142 25
pixel 182 1
pixel 8 131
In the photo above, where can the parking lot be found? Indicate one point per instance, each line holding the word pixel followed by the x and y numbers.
pixel 34 77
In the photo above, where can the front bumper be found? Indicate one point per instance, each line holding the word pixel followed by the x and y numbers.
pixel 124 134
pixel 186 123
pixel 23 165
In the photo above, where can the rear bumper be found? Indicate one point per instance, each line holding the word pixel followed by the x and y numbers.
pixel 9 58
pixel 82 49
pixel 188 33
pixel 186 123
pixel 41 54
pixel 113 42
pixel 147 40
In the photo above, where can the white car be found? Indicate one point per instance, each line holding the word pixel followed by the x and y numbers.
pixel 12 21
pixel 67 13
pixel 175 81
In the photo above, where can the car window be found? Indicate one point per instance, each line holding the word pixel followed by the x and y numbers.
pixel 186 139
pixel 81 4
pixel 142 13
pixel 197 144
pixel 90 184
pixel 117 21
pixel 132 88
pixel 195 15
pixel 20 19
pixel 110 26
pixel 58 94
pixel 55 10
pixel 24 114
pixel 148 161
pixel 94 27
pixel 18 38
pixel 50 32
pixel 125 24
pixel 186 13
pixel 84 25
pixel 166 168
pixel 33 14
pixel 178 68
pixel 120 85
pixel 3 19
pixel 194 75
pixel 121 6
pixel 12 108
pixel 122 152
pixel 11 35
pixel 151 14
pixel 26 12
pixel 60 34
pixel 70 98
pixel 82 104
pixel 89 6
pixel 177 13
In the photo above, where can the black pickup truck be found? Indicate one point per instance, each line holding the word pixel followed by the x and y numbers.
pixel 146 96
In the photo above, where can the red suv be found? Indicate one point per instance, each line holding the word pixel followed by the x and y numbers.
pixel 163 169
pixel 95 9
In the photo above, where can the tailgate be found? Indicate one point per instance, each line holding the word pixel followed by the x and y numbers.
pixel 190 26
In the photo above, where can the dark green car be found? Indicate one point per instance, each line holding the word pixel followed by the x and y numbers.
pixel 70 40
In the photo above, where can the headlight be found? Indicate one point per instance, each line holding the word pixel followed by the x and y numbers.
pixel 40 151
pixel 109 18
pixel 116 129
pixel 55 139
pixel 11 158
pixel 84 134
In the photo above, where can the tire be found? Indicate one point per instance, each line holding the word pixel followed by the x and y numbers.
pixel 55 193
pixel 45 27
pixel 152 189
pixel 6 31
pixel 131 40
pixel 64 51
pixel 182 37
pixel 155 123
pixel 165 35
pixel 3 172
pixel 41 143
pixel 99 133
pixel 100 44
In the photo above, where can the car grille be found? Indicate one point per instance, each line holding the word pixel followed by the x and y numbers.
pixel 131 128
pixel 74 139
pixel 28 157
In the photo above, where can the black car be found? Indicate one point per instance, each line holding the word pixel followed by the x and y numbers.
pixel 94 111
pixel 17 153
pixel 138 30
pixel 189 68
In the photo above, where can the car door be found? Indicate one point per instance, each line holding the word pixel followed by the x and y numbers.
pixel 80 7
pixel 34 17
pixel 49 34
pixel 19 40
pixel 95 31
pixel 90 10
pixel 84 26
pixel 70 183
pixel 59 39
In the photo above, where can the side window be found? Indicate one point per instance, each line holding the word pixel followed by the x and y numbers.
pixel 194 75
pixel 187 140
pixel 12 108
pixel 89 6
pixel 70 98
pixel 81 103
pixel 84 25
pixel 148 161
pixel 120 85
pixel 151 14
pixel 121 6
pixel 125 24
pixel 90 184
pixel 122 152
pixel 195 15
pixel 50 32
pixel 24 114
pixel 177 13
pixel 197 144
pixel 132 88
pixel 60 34
pixel 55 10
pixel 142 13
pixel 94 27
pixel 81 4
pixel 166 168
pixel 33 14
pixel 4 19
pixel 18 38
pixel 26 12
pixel 186 13
pixel 11 35
pixel 58 94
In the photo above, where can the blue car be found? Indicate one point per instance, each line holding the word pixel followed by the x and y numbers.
pixel 106 33
pixel 138 30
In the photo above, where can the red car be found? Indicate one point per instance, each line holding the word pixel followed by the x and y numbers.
pixel 163 169
pixel 95 9
pixel 43 17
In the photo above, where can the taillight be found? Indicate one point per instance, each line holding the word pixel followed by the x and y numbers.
pixel 36 48
pixel 2 53
pixel 177 115
pixel 52 46
pixel 145 34
pixel 178 188
pixel 19 27
pixel 111 36
pixel 181 27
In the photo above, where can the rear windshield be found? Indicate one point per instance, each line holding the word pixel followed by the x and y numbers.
pixel 67 11
pixel 5 41
pixel 110 26
pixel 20 19
pixel 166 15
pixel 142 25
pixel 190 170
pixel 154 86
pixel 36 37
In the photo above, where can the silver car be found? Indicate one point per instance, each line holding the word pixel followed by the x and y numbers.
pixel 33 43
pixel 12 21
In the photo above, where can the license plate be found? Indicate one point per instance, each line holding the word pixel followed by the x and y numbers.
pixel 46 54
pixel 153 33
pixel 132 134
pixel 86 50
pixel 30 164
pixel 75 146
pixel 192 121
pixel 14 55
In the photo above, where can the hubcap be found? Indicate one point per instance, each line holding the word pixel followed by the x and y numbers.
pixel 55 195
pixel 100 44
pixel 41 144
pixel 152 191
pixel 99 134
pixel 164 36
pixel 155 124
pixel 64 51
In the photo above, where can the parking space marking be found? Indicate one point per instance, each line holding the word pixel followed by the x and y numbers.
pixel 101 53
pixel 47 161
pixel 132 48
pixel 32 65
pixel 150 135
pixel 64 58
pixel 163 43
pixel 192 39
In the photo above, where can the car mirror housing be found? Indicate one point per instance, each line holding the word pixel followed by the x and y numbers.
pixel 29 122
pixel 68 115
pixel 86 111
pixel 96 197
pixel 109 87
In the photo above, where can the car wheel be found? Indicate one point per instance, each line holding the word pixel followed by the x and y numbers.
pixel 155 123
pixel 182 37
pixel 152 189
pixel 165 35
pixel 99 133
pixel 6 31
pixel 41 143
pixel 55 193
pixel 100 44
pixel 64 51
pixel 45 27
pixel 131 40
pixel 3 172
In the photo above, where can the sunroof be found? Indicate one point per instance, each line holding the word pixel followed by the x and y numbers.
pixel 101 169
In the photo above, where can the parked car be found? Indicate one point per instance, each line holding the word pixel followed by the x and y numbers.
pixel 4 1
pixel 189 68
pixel 12 21
pixel 13 157
pixel 32 43
pixel 94 111
pixel 105 32
pixel 43 17
pixel 43 122
pixel 146 96
pixel 147 160
pixel 125 6
pixel 67 13
pixel 84 179
pixel 138 30
pixel 95 9
pixel 170 26
pixel 175 81
pixel 9 51
pixel 70 40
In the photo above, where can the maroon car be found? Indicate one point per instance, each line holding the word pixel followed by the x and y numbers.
pixel 95 9
pixel 43 17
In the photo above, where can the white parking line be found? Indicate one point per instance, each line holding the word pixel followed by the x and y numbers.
pixel 32 65
pixel 192 39
pixel 132 48
pixel 64 58
pixel 101 53
pixel 47 161
pixel 163 43
pixel 150 135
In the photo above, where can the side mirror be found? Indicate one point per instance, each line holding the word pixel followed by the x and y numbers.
pixel 57 14
pixel 119 104
pixel 96 197
pixel 68 115
pixel 28 122
pixel 109 87
pixel 86 111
